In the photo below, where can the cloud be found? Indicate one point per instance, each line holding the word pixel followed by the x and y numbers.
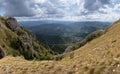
pixel 94 5
pixel 18 8
pixel 49 7
pixel 61 9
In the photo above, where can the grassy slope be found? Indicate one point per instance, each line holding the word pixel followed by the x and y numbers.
pixel 100 56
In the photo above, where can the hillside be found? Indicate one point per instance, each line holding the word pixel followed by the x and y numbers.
pixel 16 40
pixel 100 56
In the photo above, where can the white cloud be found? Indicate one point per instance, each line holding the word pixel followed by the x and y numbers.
pixel 103 10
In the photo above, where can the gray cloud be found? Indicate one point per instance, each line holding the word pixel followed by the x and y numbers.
pixel 51 8
pixel 18 8
pixel 94 5
pixel 27 8
pixel 48 8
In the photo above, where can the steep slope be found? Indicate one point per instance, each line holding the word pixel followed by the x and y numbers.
pixel 16 40
pixel 100 56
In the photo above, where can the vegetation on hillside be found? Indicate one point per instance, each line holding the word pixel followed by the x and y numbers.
pixel 19 41
pixel 86 40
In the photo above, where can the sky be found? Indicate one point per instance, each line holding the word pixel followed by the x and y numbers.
pixel 66 10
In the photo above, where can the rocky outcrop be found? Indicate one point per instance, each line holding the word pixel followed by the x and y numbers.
pixel 12 24
pixel 2 54
pixel 68 49
pixel 26 42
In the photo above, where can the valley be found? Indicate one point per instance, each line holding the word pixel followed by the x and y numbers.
pixel 58 35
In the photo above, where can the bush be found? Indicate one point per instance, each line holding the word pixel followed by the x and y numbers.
pixel 15 53
pixel 28 54
pixel 16 43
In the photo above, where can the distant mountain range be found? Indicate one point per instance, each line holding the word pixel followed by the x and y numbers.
pixel 41 22
pixel 60 34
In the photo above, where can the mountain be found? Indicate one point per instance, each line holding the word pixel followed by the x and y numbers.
pixel 99 56
pixel 16 40
pixel 58 35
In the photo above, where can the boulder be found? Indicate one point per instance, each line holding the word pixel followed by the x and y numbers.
pixel 2 54
pixel 12 24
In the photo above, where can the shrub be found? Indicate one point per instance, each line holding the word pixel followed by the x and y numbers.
pixel 15 53
pixel 46 55
pixel 28 54
pixel 16 43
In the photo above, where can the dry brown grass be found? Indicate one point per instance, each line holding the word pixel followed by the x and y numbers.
pixel 100 56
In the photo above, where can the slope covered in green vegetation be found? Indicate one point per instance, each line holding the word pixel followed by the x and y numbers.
pixel 16 40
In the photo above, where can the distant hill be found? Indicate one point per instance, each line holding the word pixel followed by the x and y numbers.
pixel 60 34
pixel 16 40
